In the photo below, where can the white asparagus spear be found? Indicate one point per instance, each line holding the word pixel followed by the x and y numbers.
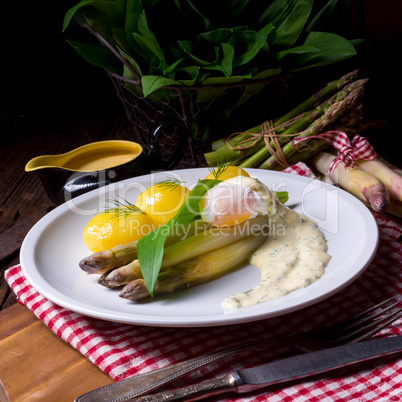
pixel 354 180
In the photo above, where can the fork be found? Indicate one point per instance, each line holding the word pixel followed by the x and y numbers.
pixel 358 328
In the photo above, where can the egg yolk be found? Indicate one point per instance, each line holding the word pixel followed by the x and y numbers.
pixel 111 228
pixel 226 172
pixel 161 201
pixel 230 204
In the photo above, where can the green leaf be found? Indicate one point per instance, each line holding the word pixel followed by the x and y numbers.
pixel 193 14
pixel 150 247
pixel 132 62
pixel 356 42
pixel 267 29
pixel 114 9
pixel 251 42
pixel 227 61
pixel 219 35
pixel 133 11
pixel 296 50
pixel 150 254
pixel 268 73
pixel 192 72
pixel 236 7
pixel 332 48
pixel 151 83
pixel 143 28
pixel 97 55
pixel 172 67
pixel 187 48
pixel 289 18
pixel 319 20
pixel 149 47
pixel 283 196
pixel 111 13
pixel 224 61
pixel 207 41
pixel 120 39
pixel 71 12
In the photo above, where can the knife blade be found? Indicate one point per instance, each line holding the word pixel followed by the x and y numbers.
pixel 292 368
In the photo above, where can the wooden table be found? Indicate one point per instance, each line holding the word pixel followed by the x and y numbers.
pixel 54 372
pixel 35 364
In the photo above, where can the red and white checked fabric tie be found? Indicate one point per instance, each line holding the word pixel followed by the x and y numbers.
pixel 348 151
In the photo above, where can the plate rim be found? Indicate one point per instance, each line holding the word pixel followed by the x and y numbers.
pixel 28 248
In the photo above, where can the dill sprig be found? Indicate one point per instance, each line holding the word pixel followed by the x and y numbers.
pixel 170 183
pixel 121 208
pixel 222 166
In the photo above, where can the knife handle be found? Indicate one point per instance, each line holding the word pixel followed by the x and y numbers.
pixel 142 384
pixel 196 391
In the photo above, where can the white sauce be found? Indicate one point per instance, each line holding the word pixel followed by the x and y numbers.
pixel 293 256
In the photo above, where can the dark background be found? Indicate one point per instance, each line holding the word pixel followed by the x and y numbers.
pixel 43 77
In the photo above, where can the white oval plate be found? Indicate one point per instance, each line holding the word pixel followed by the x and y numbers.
pixel 53 248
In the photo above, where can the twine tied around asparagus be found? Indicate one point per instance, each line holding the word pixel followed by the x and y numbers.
pixel 271 139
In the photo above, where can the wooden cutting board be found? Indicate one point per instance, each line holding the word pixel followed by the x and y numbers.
pixel 37 365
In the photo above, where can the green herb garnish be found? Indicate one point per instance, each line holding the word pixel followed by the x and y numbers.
pixel 170 183
pixel 283 196
pixel 121 208
pixel 222 166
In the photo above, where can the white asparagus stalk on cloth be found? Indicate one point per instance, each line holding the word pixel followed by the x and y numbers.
pixel 391 179
pixel 354 180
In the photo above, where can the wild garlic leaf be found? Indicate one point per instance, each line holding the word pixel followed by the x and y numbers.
pixel 289 18
pixel 283 196
pixel 321 18
pixel 222 40
pixel 150 247
pixel 71 12
pixel 97 55
pixel 151 83
pixel 331 47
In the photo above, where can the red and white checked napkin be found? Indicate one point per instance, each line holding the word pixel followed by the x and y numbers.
pixel 123 350
pixel 348 150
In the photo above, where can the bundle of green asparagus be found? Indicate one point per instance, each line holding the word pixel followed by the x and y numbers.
pixel 199 254
pixel 337 106
pixel 271 146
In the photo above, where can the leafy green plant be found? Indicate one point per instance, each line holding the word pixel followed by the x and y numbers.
pixel 204 42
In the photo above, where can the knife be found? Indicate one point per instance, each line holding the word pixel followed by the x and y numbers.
pixel 292 368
